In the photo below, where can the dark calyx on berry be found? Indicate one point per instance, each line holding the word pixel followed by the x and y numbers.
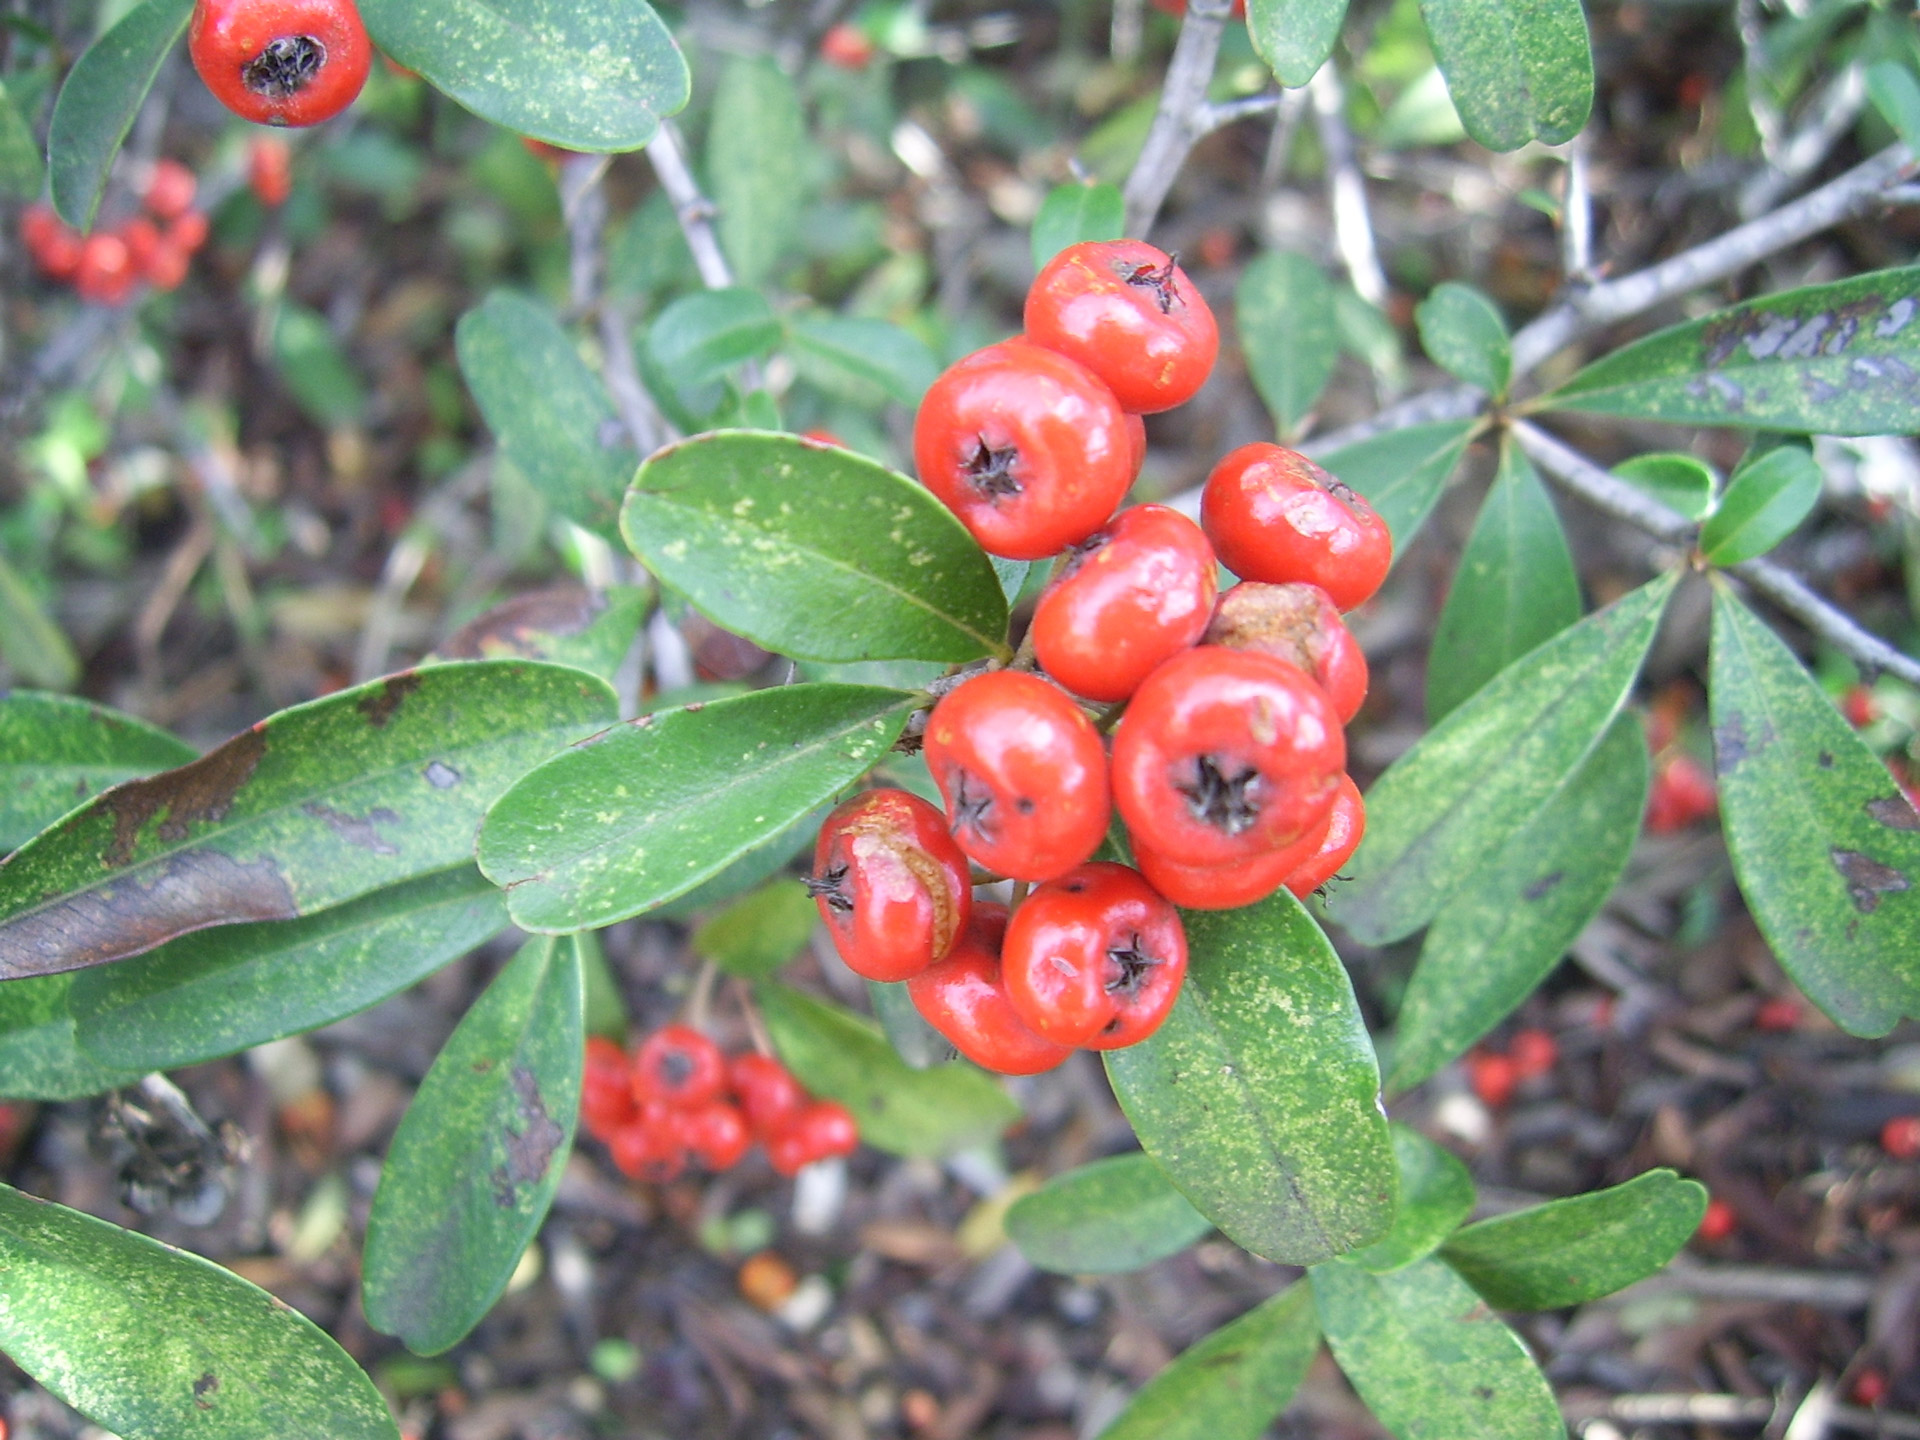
pixel 1134 964
pixel 971 806
pixel 831 886
pixel 285 68
pixel 1158 278
pixel 1229 803
pixel 990 471
pixel 677 1067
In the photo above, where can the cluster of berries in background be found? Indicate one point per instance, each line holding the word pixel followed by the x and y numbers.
pixel 152 248
pixel 678 1100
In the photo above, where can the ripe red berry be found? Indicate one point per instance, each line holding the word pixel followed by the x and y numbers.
pixel 105 274
pixel 649 1148
pixel 1492 1077
pixel 1023 774
pixel 1346 824
pixel 1129 314
pixel 170 190
pixel 1095 958
pixel 1718 1222
pixel 1777 1012
pixel 1274 515
pixel 1027 447
pixel 606 1089
pixel 1300 624
pixel 820 1129
pixel 188 233
pixel 1131 595
pixel 890 883
pixel 846 47
pixel 1224 754
pixel 1534 1053
pixel 167 267
pixel 964 997
pixel 680 1066
pixel 142 239
pixel 716 1133
pixel 1900 1137
pixel 1869 1387
pixel 1682 793
pixel 281 62
pixel 1859 706
pixel 1237 883
pixel 270 170
pixel 766 1090
pixel 53 244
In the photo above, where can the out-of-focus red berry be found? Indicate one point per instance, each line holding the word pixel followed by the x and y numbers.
pixel 1900 1137
pixel 1682 793
pixel 1718 1222
pixel 170 190
pixel 1492 1077
pixel 270 170
pixel 1534 1052
pixel 105 274
pixel 846 47
pixel 1859 706
pixel 188 233
pixel 1777 1012
pixel 1869 1387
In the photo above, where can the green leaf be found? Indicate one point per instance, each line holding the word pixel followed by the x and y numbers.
pixel 34 645
pixel 104 91
pixel 478 1155
pixel 158 1344
pixel 1485 771
pixel 315 370
pixel 1436 1194
pixel 760 932
pixel 1823 843
pixel 1465 335
pixel 584 74
pixel 813 551
pixel 756 164
pixel 901 1110
pixel 1896 95
pixel 56 752
pixel 1514 588
pixel 649 809
pixel 1259 1096
pixel 203 996
pixel 701 336
pixel 753 868
pixel 1294 37
pixel 1765 502
pixel 1508 922
pixel 1113 1215
pixel 21 172
pixel 1075 212
pixel 1283 306
pixel 312 807
pixel 1518 70
pixel 550 412
pixel 862 361
pixel 1428 1357
pixel 565 624
pixel 912 1038
pixel 1841 359
pixel 1402 472
pixel 1679 481
pixel 1568 1252
pixel 1233 1383
pixel 40 1054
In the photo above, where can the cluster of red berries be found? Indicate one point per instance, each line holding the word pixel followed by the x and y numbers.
pixel 1495 1074
pixel 107 266
pixel 281 62
pixel 678 1099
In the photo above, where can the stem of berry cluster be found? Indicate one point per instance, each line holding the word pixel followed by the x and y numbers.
pixel 1180 119
pixel 750 1013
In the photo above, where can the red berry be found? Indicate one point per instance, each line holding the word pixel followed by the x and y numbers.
pixel 105 273
pixel 1131 595
pixel 823 437
pixel 1718 1222
pixel 167 267
pixel 1224 754
pixel 890 883
pixel 281 62
pixel 1027 447
pixel 648 1148
pixel 767 1092
pixel 1900 1137
pixel 964 997
pixel 1492 1077
pixel 188 233
pixel 1682 793
pixel 1137 441
pixel 1869 1387
pixel 1346 823
pixel 270 170
pixel 846 47
pixel 606 1089
pixel 1534 1053
pixel 170 190
pixel 1859 706
pixel 680 1066
pixel 1777 1012
pixel 1095 958
pixel 54 245
pixel 142 239
pixel 820 1129
pixel 1274 515
pixel 1229 886
pixel 717 1134
pixel 1129 314
pixel 1023 774
pixel 1300 624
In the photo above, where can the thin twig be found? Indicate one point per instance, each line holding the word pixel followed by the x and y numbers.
pixel 1576 217
pixel 1181 100
pixel 584 204
pixel 1346 188
pixel 1834 112
pixel 691 207
pixel 1220 114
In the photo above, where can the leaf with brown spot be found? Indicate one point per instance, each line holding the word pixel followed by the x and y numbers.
pixel 310 808
pixel 57 752
pixel 478 1155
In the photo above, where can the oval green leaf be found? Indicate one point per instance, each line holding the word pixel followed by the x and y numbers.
pixel 1429 1358
pixel 861 360
pixel 1484 772
pixel 813 551
pixel 701 336
pixel 757 164
pixel 1073 213
pixel 214 994
pixel 1436 1194
pixel 1568 1252
pixel 1283 307
pixel 21 170
pixel 1765 502
pixel 647 810
pixel 478 1155
pixel 57 752
pixel 584 74
pixel 104 91
pixel 904 1111
pixel 312 807
pixel 760 932
pixel 157 1344
pixel 1113 1215
pixel 1678 481
pixel 1825 846
pixel 40 1054
pixel 1841 359
pixel 565 624
pixel 1511 920
pixel 1896 95
pixel 1294 37
pixel 1233 1383
pixel 1259 1096
pixel 550 412
pixel 1465 335
pixel 1514 588
pixel 1517 70
pixel 315 370
pixel 1402 472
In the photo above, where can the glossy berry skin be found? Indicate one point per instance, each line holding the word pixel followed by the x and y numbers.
pixel 1300 624
pixel 170 190
pixel 649 1148
pixel 1095 958
pixel 821 1129
pixel 716 1133
pixel 606 1089
pixel 766 1091
pixel 105 274
pixel 1224 754
pixel 1346 824
pixel 679 1066
pixel 1129 314
pixel 281 62
pixel 1027 447
pixel 964 998
pixel 1237 883
pixel 1274 515
pixel 1023 773
pixel 890 883
pixel 1131 595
